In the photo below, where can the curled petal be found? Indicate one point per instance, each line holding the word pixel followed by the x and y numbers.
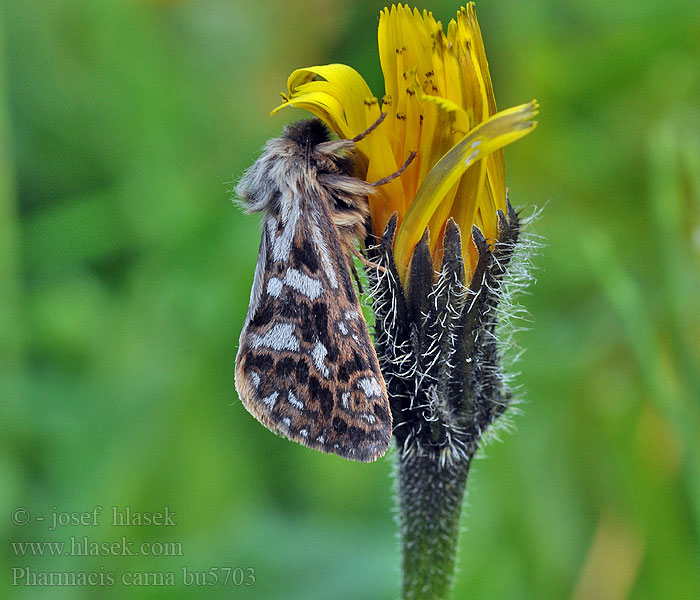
pixel 491 135
pixel 341 97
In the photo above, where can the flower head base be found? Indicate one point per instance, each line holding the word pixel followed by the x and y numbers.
pixel 440 104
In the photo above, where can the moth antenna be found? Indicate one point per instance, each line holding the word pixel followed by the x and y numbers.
pixel 389 178
pixel 371 128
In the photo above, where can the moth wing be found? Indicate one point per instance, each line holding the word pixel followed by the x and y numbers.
pixel 306 367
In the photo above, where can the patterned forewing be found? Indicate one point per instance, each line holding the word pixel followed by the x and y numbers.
pixel 306 367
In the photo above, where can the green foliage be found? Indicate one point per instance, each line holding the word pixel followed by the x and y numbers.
pixel 125 272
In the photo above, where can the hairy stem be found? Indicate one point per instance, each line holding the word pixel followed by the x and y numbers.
pixel 430 505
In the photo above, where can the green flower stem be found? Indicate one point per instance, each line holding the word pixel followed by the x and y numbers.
pixel 430 505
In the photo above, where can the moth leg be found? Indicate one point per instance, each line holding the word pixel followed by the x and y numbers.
pixel 366 262
pixel 356 275
pixel 388 178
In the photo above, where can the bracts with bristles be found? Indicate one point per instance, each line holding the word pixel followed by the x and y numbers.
pixel 439 356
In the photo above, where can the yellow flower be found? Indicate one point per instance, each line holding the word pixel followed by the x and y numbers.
pixel 439 103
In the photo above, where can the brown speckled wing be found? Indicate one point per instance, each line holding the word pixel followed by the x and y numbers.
pixel 306 367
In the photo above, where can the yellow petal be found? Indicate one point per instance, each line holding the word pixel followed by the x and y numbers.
pixel 325 106
pixel 342 96
pixel 491 135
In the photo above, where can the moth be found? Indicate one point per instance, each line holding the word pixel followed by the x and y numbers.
pixel 306 367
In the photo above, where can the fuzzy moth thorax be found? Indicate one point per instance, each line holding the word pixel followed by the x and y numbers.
pixel 306 164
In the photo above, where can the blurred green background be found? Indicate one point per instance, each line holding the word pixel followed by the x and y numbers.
pixel 125 272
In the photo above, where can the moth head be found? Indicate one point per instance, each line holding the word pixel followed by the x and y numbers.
pixel 326 155
pixel 308 133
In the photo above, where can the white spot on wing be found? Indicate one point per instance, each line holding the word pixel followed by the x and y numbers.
pixel 294 401
pixel 324 255
pixel 352 314
pixel 282 246
pixel 269 401
pixel 370 386
pixel 311 288
pixel 318 354
pixel 274 287
pixel 287 421
pixel 255 379
pixel 346 399
pixel 344 330
pixel 280 337
pixel 271 229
